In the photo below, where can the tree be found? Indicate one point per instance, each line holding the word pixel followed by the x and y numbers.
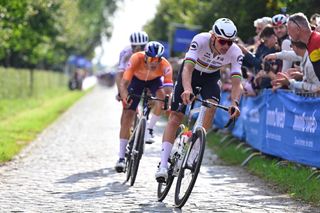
pixel 204 12
pixel 43 33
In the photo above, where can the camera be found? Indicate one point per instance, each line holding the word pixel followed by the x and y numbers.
pixel 267 66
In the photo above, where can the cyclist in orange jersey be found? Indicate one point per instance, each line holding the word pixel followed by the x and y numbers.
pixel 144 70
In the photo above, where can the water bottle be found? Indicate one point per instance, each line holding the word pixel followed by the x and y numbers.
pixel 181 149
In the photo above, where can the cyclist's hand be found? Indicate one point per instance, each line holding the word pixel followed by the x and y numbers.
pixel 151 103
pixel 126 102
pixel 234 112
pixel 187 97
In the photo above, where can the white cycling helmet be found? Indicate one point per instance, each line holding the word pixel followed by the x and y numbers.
pixel 139 38
pixel 224 28
pixel 279 20
pixel 154 49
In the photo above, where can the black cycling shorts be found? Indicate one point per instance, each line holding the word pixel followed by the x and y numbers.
pixel 207 81
pixel 137 86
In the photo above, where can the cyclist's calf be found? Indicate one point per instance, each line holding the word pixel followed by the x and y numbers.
pixel 175 120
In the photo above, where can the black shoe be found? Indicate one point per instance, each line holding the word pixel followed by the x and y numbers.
pixel 120 165
pixel 149 137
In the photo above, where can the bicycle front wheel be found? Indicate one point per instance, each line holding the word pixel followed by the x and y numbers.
pixel 190 168
pixel 163 188
pixel 128 159
pixel 137 149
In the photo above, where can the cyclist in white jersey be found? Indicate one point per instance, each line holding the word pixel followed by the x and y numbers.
pixel 138 41
pixel 207 53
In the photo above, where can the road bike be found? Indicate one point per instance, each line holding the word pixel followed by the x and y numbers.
pixel 187 154
pixel 135 147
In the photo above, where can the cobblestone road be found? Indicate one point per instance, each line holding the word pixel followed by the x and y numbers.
pixel 69 168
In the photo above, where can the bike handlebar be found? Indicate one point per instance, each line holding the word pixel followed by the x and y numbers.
pixel 210 104
pixel 147 97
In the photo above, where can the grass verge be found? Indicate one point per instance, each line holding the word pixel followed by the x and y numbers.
pixel 287 177
pixel 22 119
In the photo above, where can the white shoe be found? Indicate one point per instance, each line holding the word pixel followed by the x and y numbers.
pixel 148 136
pixel 162 175
pixel 120 165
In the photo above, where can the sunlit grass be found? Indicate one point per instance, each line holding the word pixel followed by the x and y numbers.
pixel 289 177
pixel 22 119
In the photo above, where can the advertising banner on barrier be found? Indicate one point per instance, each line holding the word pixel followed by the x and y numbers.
pixel 238 129
pixel 292 132
pixel 282 124
pixel 221 117
pixel 254 111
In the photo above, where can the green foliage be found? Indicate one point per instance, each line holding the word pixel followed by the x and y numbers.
pixel 203 13
pixel 25 83
pixel 42 33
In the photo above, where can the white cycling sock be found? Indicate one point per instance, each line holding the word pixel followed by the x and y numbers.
pixel 165 153
pixel 153 120
pixel 122 148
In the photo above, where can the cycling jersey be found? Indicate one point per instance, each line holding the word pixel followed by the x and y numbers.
pixel 138 68
pixel 125 55
pixel 313 48
pixel 202 56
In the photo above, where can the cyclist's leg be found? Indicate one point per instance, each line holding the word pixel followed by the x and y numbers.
pixel 155 88
pixel 210 91
pixel 127 118
pixel 169 134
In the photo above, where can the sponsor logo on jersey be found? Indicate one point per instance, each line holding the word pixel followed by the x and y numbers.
pixel 194 45
pixel 166 70
pixel 240 59
pixel 207 55
pixel 220 58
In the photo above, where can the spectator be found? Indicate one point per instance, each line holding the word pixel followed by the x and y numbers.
pixel 279 22
pixel 309 83
pixel 254 61
pixel 264 77
pixel 299 30
pixel 315 19
pixel 260 24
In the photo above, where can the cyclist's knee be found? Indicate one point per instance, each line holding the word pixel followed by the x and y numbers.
pixel 175 118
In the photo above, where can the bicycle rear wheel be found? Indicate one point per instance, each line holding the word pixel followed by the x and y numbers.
pixel 163 188
pixel 190 168
pixel 137 150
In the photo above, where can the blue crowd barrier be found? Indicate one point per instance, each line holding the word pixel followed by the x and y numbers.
pixel 281 124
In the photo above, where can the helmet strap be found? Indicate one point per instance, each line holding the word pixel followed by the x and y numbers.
pixel 214 45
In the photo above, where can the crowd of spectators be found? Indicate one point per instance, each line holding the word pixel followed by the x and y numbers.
pixel 284 53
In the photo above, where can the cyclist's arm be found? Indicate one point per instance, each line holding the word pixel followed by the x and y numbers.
pixel 124 88
pixel 187 75
pixel 236 77
pixel 118 80
pixel 236 90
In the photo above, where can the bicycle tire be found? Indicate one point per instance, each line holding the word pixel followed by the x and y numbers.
pixel 137 149
pixel 130 143
pixel 164 188
pixel 182 197
pixel 128 160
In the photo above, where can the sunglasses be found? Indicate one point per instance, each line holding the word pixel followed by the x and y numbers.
pixel 223 42
pixel 153 60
